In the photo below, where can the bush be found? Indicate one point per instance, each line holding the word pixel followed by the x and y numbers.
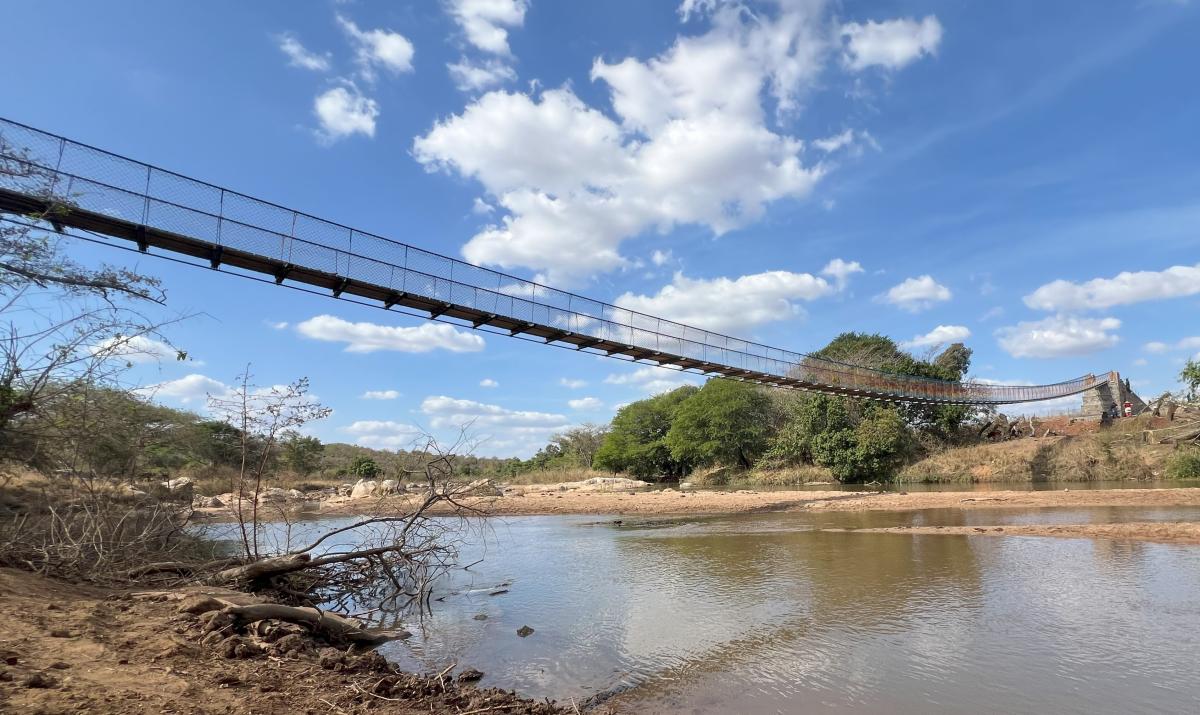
pixel 1184 465
pixel 365 468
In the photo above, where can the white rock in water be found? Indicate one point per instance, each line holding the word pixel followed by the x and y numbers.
pixel 363 489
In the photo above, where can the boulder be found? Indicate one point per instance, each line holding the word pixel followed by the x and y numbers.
pixel 272 495
pixel 483 488
pixel 178 484
pixel 208 502
pixel 391 486
pixel 364 488
pixel 295 494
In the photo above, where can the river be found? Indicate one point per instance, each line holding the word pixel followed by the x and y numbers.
pixel 769 613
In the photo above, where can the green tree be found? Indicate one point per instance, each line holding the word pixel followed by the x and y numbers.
pixel 637 440
pixel 726 422
pixel 1190 377
pixel 301 454
pixel 365 468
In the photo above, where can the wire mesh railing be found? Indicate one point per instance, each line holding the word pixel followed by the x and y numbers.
pixel 81 177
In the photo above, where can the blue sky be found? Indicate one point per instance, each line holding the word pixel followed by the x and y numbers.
pixel 1021 175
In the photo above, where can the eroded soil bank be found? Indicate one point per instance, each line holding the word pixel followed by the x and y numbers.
pixel 71 648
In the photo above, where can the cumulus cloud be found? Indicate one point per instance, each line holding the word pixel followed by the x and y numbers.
pixel 689 144
pixel 343 111
pixel 652 380
pixel 723 304
pixel 661 258
pixel 840 271
pixel 501 428
pixel 472 76
pixel 890 44
pixel 134 349
pixel 383 434
pixel 484 22
pixel 941 335
pixel 378 48
pixel 572 384
pixel 299 56
pixel 488 382
pixel 189 388
pixel 380 394
pixel 917 294
pixel 371 337
pixel 585 403
pixel 1059 336
pixel 1125 288
pixel 1158 347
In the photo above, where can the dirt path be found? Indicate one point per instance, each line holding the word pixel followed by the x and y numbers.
pixel 68 648
pixel 670 501
pixel 1158 532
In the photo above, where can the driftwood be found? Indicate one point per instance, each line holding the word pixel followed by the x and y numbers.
pixel 237 609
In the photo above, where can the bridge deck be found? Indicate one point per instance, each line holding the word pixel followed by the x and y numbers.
pixel 73 185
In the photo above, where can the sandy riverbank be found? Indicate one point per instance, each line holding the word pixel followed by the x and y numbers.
pixel 1158 532
pixel 667 502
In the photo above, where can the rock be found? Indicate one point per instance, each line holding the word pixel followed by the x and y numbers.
pixel 272 495
pixel 202 502
pixel 480 616
pixel 38 680
pixel 686 485
pixel 364 488
pixel 179 484
pixel 470 675
pixel 483 488
pixel 498 591
pixel 524 631
pixel 295 494
pixel 130 491
pixel 390 486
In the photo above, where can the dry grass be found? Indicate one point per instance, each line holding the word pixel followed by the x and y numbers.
pixel 1110 455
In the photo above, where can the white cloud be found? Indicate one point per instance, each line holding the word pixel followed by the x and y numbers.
pixel 917 294
pixel 300 57
pixel 941 335
pixel 500 428
pixel 653 380
pixel 378 48
pixel 1123 289
pixel 1141 362
pixel 890 44
pixel 280 325
pixel 483 22
pixel 840 271
pixel 380 394
pixel 572 384
pixel 471 76
pixel 661 258
pixel 1059 336
pixel 488 382
pixel 343 111
pixel 188 389
pixel 134 349
pixel 691 147
pixel 371 337
pixel 1158 347
pixel 481 207
pixel 848 139
pixel 383 434
pixel 585 403
pixel 724 305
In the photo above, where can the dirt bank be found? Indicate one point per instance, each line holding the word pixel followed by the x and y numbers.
pixel 1159 532
pixel 70 648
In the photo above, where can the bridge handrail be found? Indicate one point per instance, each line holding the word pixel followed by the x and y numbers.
pixel 785 362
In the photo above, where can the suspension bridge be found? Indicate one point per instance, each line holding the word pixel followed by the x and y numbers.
pixel 90 193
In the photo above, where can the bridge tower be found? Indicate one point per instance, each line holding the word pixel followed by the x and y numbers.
pixel 1114 390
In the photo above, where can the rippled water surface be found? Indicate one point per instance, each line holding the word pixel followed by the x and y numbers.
pixel 770 614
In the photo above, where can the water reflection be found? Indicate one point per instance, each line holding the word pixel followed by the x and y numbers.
pixel 771 613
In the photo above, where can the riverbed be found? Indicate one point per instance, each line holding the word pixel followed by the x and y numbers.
pixel 773 613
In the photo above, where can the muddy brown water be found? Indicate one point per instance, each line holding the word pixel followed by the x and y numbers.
pixel 768 614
